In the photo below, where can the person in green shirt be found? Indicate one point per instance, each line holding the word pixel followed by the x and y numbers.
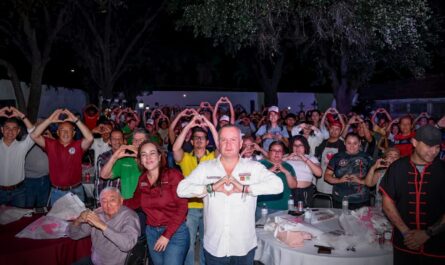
pixel 123 165
pixel 285 172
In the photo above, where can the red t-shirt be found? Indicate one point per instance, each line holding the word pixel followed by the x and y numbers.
pixel 403 143
pixel 161 204
pixel 65 162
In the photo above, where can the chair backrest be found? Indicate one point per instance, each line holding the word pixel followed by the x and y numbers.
pixel 322 201
pixel 138 254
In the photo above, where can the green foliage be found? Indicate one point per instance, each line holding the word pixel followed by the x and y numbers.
pixel 395 32
pixel 238 24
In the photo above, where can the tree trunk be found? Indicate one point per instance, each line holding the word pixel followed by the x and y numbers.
pixel 343 98
pixel 107 90
pixel 269 82
pixel 35 92
pixel 12 73
pixel 340 86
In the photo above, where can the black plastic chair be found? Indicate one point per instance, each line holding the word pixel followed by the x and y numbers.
pixel 138 254
pixel 322 200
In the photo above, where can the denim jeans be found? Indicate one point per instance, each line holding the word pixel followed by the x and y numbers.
pixel 14 197
pixel 195 223
pixel 176 249
pixel 57 194
pixel 231 260
pixel 37 191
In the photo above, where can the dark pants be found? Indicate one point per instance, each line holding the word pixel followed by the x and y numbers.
pixel 304 195
pixel 404 258
pixel 352 206
pixel 15 197
pixel 232 260
pixel 37 191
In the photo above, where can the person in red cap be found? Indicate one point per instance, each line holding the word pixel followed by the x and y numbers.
pixel 413 200
pixel 328 148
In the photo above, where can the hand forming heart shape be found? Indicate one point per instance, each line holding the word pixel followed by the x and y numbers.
pixel 227 185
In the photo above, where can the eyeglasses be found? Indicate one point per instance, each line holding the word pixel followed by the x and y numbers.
pixel 202 138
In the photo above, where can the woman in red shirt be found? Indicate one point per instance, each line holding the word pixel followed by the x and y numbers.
pixel 167 234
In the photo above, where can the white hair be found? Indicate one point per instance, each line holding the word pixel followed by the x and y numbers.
pixel 116 190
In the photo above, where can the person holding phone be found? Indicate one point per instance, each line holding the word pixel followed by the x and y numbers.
pixel 377 171
pixel 123 165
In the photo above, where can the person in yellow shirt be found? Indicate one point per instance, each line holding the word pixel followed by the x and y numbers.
pixel 188 161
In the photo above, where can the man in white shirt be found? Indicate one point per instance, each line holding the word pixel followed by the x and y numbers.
pixel 229 186
pixel 12 157
pixel 102 144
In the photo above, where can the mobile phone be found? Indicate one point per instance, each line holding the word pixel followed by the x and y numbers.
pixel 324 250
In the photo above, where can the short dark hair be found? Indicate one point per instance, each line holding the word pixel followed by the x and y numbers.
pixel 352 134
pixel 11 120
pixel 117 130
pixel 303 140
pixel 198 129
pixel 280 143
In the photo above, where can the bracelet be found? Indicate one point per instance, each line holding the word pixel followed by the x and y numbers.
pixel 76 121
pixel 209 188
pixel 24 117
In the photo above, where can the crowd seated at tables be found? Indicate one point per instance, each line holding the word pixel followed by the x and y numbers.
pixel 117 148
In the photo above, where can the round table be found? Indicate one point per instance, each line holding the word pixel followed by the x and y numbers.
pixel 271 251
pixel 24 251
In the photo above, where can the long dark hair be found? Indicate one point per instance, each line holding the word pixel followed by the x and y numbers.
pixel 303 140
pixel 162 163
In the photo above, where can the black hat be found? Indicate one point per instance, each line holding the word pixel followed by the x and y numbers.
pixel 429 134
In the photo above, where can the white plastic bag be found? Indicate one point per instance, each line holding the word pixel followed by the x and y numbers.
pixel 67 208
pixel 46 227
pixel 10 214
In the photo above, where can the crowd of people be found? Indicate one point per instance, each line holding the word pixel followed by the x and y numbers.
pixel 175 171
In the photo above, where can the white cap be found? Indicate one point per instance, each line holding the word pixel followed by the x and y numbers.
pixel 150 121
pixel 274 109
pixel 224 118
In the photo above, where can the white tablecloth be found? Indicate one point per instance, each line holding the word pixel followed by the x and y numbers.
pixel 270 251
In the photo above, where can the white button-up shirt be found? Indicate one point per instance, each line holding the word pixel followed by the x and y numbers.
pixel 12 160
pixel 229 221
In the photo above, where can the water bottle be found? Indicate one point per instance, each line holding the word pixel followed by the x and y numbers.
pixel 290 203
pixel 264 211
pixel 345 205
pixel 308 215
pixel 378 203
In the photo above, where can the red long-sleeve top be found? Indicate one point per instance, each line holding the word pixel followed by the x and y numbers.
pixel 161 203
